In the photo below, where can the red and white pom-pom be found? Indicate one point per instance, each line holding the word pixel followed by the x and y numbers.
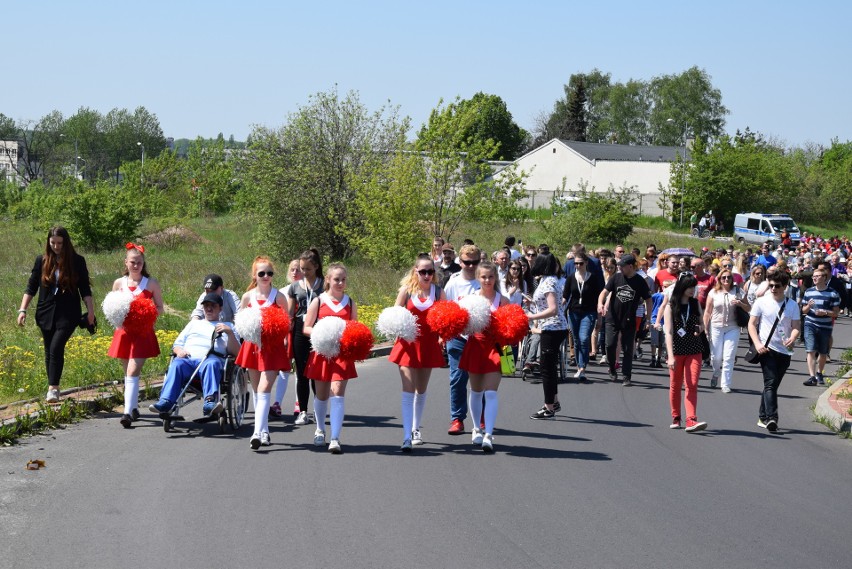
pixel 398 322
pixel 325 337
pixel 447 319
pixel 509 325
pixel 116 305
pixel 275 325
pixel 141 316
pixel 356 342
pixel 479 312
pixel 247 322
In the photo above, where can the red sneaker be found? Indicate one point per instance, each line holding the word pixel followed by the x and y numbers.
pixel 456 428
pixel 693 425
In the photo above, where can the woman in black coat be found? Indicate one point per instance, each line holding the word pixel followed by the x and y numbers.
pixel 61 278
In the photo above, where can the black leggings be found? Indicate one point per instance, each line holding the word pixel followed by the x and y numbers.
pixel 54 352
pixel 549 362
pixel 301 351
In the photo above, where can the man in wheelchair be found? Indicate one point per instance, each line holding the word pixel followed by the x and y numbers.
pixel 200 349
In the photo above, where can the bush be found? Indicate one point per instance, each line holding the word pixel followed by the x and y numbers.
pixel 594 218
pixel 102 217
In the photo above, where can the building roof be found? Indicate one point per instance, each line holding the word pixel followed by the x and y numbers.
pixel 624 152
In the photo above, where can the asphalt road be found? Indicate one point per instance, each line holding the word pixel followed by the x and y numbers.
pixel 605 484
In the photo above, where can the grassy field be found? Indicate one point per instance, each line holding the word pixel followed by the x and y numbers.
pixel 218 245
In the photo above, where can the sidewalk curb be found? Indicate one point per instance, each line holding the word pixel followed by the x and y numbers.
pixel 823 409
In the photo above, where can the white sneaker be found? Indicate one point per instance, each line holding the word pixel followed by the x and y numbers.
pixel 334 447
pixel 52 396
pixel 319 438
pixel 579 373
pixel 416 438
pixel 726 389
pixel 476 436
pixel 302 419
pixel 488 443
pixel 264 439
pixel 602 361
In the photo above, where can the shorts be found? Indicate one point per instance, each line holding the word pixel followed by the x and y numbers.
pixel 817 339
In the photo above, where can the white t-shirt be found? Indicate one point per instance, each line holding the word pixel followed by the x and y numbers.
pixel 766 308
pixel 459 287
pixel 195 338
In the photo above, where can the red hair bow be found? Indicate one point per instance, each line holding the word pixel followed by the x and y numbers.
pixel 139 248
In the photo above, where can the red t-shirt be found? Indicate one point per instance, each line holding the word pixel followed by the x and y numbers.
pixel 663 279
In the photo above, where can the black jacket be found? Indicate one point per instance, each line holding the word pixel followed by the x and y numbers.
pixel 59 308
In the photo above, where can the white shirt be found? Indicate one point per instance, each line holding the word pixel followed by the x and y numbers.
pixel 195 338
pixel 766 308
pixel 459 287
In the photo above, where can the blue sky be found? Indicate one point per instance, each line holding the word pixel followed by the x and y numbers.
pixel 209 67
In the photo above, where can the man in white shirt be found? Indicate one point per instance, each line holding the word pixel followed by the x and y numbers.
pixel 202 344
pixel 460 285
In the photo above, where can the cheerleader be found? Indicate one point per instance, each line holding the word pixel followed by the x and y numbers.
pixel 330 375
pixel 481 360
pixel 133 349
pixel 294 275
pixel 416 359
pixel 262 363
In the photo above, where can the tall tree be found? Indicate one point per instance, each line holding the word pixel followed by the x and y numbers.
pixel 630 110
pixel 300 177
pixel 686 102
pixel 575 126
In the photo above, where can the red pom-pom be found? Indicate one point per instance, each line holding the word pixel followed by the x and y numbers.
pixel 509 325
pixel 447 319
pixel 141 317
pixel 274 326
pixel 356 342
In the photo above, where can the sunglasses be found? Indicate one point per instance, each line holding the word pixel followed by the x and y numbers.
pixel 727 266
pixel 261 274
pixel 514 268
pixel 470 263
pixel 426 272
pixel 775 285
pixel 531 255
pixel 725 278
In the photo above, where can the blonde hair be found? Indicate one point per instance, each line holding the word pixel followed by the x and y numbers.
pixel 718 284
pixel 470 251
pixel 410 282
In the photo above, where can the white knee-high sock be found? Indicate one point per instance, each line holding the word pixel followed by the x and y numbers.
pixel 337 411
pixel 419 405
pixel 492 404
pixel 131 393
pixel 320 411
pixel 261 414
pixel 281 386
pixel 474 403
pixel 407 406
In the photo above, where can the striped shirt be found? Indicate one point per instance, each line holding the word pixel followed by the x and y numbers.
pixel 826 299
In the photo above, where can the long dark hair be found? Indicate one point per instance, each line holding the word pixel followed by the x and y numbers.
pixel 686 281
pixel 313 256
pixel 64 262
pixel 545 265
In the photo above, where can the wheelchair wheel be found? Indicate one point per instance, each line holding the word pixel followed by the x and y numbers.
pixel 563 361
pixel 237 397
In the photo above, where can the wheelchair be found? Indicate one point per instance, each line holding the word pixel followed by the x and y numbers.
pixel 233 393
pixel 527 364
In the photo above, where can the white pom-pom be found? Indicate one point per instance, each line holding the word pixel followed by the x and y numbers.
pixel 325 337
pixel 116 305
pixel 248 321
pixel 398 322
pixel 479 309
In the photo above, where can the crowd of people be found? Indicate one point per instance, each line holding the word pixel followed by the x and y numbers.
pixel 691 308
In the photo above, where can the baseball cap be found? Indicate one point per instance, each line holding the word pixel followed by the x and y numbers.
pixel 213 281
pixel 447 247
pixel 627 259
pixel 212 297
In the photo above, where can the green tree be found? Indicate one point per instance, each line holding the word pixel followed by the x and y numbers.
pixel 630 109
pixel 211 177
pixel 299 178
pixel 689 100
pixel 575 126
pixel 596 217
pixel 491 119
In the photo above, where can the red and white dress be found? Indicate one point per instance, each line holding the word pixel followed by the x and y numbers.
pixel 319 367
pixel 138 346
pixel 424 351
pixel 481 353
pixel 270 357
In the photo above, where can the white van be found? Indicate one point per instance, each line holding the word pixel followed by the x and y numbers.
pixel 761 227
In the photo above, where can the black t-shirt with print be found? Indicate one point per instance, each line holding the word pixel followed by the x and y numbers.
pixel 625 296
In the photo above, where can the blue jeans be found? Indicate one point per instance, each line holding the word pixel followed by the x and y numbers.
pixel 180 371
pixel 458 379
pixel 817 338
pixel 582 326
